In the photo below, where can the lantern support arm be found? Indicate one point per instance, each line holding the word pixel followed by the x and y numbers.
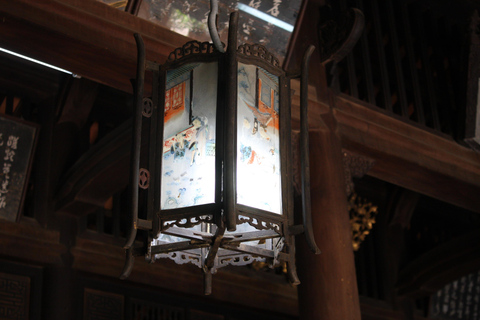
pixel 130 255
pixel 207 281
pixel 129 261
pixel 179 246
pixel 210 260
pixel 256 251
pixel 136 137
pixel 185 233
pixel 305 152
pixel 250 236
pixel 144 224
pixel 212 253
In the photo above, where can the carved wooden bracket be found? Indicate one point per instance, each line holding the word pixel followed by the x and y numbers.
pixel 338 31
pixel 355 166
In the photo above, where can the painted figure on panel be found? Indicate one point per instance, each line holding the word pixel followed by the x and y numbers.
pixel 258 159
pixel 189 137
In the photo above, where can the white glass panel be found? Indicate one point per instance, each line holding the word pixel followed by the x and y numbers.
pixel 258 144
pixel 188 166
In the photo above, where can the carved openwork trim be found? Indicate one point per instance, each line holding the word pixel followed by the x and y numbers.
pixel 258 51
pixel 239 260
pixel 102 305
pixel 362 217
pixel 355 166
pixel 15 293
pixel 190 48
pixel 187 222
pixel 259 224
pixel 181 258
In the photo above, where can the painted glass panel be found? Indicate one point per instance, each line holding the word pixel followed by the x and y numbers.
pixel 188 166
pixel 258 144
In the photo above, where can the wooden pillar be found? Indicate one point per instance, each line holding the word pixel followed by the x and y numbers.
pixel 328 288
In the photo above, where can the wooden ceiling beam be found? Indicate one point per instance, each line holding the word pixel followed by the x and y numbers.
pixel 410 157
pixel 88 38
pixel 438 267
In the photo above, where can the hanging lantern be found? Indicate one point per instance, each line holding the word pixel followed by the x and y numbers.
pixel 216 178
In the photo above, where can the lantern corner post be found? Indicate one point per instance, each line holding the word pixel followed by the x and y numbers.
pixel 230 127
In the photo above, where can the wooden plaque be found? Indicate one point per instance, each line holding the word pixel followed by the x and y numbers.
pixel 17 142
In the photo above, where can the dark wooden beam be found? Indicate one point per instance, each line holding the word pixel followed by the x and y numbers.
pixel 236 286
pixel 88 38
pixel 440 266
pixel 379 310
pixel 97 175
pixel 27 79
pixel 408 156
pixel 28 241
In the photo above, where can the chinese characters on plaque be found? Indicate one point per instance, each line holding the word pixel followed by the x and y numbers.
pixel 17 140
pixel 458 300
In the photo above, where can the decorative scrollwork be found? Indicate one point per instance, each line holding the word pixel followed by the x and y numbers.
pixel 338 32
pixel 355 166
pixel 259 51
pixel 238 260
pixel 259 224
pixel 187 222
pixel 362 218
pixel 191 47
pixel 181 258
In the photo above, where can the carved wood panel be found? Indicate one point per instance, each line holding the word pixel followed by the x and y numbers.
pixel 145 310
pixel 99 305
pixel 14 297
pixel 355 166
pixel 201 315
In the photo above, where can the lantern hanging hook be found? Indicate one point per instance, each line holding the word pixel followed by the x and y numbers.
pixel 212 26
pixel 305 162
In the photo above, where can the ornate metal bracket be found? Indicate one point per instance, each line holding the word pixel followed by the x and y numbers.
pixel 338 32
pixel 305 152
pixel 135 153
pixel 304 156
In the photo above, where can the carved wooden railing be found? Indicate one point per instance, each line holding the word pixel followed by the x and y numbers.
pixel 409 63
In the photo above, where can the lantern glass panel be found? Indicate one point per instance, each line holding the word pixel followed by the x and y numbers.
pixel 258 139
pixel 188 164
